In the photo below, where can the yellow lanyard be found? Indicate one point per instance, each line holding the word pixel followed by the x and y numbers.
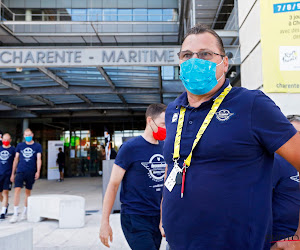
pixel 206 122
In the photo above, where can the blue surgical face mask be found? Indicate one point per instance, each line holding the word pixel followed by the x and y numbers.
pixel 199 76
pixel 28 138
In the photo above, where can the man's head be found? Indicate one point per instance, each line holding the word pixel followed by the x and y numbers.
pixel 28 135
pixel 202 39
pixel 6 139
pixel 295 120
pixel 155 116
pixel 60 149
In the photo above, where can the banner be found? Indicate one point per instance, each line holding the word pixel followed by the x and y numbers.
pixel 280 40
pixel 53 146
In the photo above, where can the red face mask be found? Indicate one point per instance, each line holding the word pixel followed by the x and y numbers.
pixel 5 143
pixel 161 133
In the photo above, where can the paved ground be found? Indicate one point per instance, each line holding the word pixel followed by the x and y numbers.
pixel 47 235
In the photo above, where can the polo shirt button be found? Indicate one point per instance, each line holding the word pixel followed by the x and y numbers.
pixel 190 122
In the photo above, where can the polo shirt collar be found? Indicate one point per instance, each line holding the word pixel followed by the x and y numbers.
pixel 183 101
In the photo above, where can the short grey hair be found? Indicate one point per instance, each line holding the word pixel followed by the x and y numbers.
pixel 200 29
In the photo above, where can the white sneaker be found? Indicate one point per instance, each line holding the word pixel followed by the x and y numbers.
pixel 14 219
pixel 23 216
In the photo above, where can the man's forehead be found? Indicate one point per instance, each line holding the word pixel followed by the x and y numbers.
pixel 200 42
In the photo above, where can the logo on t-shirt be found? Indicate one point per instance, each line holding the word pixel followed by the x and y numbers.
pixel 4 155
pixel 27 153
pixel 156 167
pixel 295 178
pixel 223 115
pixel 175 117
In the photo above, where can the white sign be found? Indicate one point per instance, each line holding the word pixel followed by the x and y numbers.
pixel 105 56
pixel 53 171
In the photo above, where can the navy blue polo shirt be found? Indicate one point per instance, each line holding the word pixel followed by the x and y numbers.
pixel 7 156
pixel 228 188
pixel 143 181
pixel 28 156
pixel 286 199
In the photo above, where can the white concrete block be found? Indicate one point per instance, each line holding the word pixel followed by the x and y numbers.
pixel 69 210
pixel 12 238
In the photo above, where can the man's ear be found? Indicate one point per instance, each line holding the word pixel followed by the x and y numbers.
pixel 226 65
pixel 148 120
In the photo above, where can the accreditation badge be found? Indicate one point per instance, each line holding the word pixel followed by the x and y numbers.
pixel 171 180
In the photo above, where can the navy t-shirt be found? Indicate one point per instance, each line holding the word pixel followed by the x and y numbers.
pixel 228 188
pixel 7 156
pixel 286 199
pixel 143 181
pixel 28 156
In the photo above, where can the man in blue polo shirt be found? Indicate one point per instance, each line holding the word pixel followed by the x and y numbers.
pixel 286 195
pixel 27 164
pixel 140 166
pixel 7 154
pixel 218 189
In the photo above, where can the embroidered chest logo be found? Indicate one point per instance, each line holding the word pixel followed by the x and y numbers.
pixel 27 153
pixel 295 178
pixel 175 117
pixel 4 155
pixel 223 115
pixel 156 167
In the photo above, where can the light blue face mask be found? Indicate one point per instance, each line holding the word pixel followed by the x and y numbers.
pixel 199 76
pixel 28 138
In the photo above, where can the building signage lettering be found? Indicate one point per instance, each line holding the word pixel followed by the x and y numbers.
pixel 29 57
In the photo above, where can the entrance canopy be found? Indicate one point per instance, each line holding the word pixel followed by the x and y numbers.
pixel 81 81
pixel 100 59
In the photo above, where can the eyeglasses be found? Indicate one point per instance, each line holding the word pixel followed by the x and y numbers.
pixel 204 54
pixel 293 118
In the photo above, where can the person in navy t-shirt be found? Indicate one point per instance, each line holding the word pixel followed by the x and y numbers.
pixel 223 199
pixel 286 195
pixel 7 154
pixel 140 166
pixel 27 166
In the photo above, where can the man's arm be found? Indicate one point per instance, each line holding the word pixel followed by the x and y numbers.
pixel 162 231
pixel 116 177
pixel 15 164
pixel 290 151
pixel 38 165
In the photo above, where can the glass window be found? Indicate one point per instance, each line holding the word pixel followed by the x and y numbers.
pixel 109 14
pixel 95 14
pixel 140 15
pixel 54 15
pixel 19 14
pixel 154 15
pixel 36 15
pixel 167 72
pixel 124 15
pixel 79 14
pixel 168 15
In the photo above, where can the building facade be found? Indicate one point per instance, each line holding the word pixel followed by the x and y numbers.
pixel 72 69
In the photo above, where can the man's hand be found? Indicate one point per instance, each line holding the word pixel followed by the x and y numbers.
pixel 12 178
pixel 37 175
pixel 162 231
pixel 105 233
pixel 291 243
